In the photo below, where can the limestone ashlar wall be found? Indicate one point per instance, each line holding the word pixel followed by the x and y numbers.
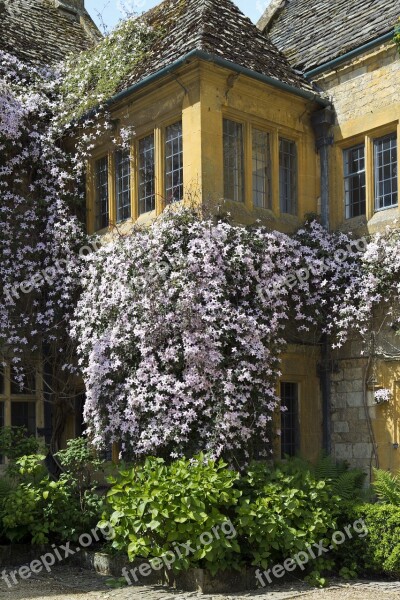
pixel 364 88
pixel 365 433
pixel 351 436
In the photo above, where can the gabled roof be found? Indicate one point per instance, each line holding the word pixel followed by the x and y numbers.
pixel 215 27
pixel 43 32
pixel 313 32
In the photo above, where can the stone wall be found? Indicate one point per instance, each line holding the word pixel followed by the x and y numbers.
pixel 368 84
pixel 351 436
pixel 365 433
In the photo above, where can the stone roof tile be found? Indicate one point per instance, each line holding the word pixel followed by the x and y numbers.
pixel 313 32
pixel 43 32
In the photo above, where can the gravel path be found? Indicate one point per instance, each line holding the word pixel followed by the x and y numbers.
pixel 71 583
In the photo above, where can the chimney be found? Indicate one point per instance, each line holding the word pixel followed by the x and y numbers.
pixel 272 11
pixel 73 7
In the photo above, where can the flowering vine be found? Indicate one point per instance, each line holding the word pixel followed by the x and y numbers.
pixel 180 329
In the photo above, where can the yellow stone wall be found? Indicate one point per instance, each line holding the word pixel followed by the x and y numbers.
pixel 300 365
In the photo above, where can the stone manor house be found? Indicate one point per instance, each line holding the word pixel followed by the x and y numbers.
pixel 298 114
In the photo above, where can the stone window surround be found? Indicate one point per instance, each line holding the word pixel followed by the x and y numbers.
pixel 276 134
pixel 8 398
pixel 109 151
pixel 368 140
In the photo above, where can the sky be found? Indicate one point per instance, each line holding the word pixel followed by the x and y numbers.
pixel 108 12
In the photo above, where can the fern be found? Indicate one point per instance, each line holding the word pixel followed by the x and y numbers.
pixel 344 482
pixel 327 468
pixel 5 488
pixel 349 484
pixel 387 487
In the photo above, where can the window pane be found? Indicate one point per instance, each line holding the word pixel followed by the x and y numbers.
pixel 354 181
pixel 147 194
pixel 290 419
pixel 101 185
pixel 288 176
pixel 123 184
pixel 233 161
pixel 386 186
pixel 261 169
pixel 174 163
pixel 23 414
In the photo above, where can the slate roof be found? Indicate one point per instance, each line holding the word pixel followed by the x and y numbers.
pixel 313 32
pixel 39 32
pixel 218 28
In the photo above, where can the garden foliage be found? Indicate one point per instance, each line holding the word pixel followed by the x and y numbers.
pixel 35 508
pixel 274 512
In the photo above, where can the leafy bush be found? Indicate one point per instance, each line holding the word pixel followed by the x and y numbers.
pixel 283 511
pixel 156 507
pixel 275 512
pixel 81 468
pixel 15 442
pixel 378 553
pixel 38 509
pixel 343 481
pixel 387 487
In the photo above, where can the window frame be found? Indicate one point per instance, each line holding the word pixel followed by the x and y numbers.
pixel 96 200
pixel 128 177
pixel 295 192
pixel 138 200
pixel 9 399
pixel 367 138
pixel 296 438
pixel 350 176
pixel 268 190
pixel 239 187
pixel 376 168
pixel 169 124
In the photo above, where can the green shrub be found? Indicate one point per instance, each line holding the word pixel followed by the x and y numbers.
pixel 282 512
pixel 15 442
pixel 154 508
pixel 276 512
pixel 39 510
pixel 378 553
